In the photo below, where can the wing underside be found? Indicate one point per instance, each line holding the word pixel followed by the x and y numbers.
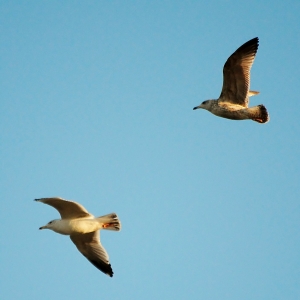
pixel 89 245
pixel 236 74
pixel 67 209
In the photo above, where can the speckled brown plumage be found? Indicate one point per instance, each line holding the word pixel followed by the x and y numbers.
pixel 234 98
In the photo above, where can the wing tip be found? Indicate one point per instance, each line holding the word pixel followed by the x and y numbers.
pixel 252 43
pixel 55 197
pixel 256 40
pixel 109 271
pixel 249 46
pixel 103 267
pixel 111 274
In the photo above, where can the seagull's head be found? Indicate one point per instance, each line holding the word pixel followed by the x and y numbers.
pixel 207 104
pixel 50 225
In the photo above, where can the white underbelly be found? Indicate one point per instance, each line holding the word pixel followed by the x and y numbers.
pixel 233 112
pixel 85 226
pixel 68 227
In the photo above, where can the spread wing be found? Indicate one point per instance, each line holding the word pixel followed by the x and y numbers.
pixel 236 74
pixel 89 245
pixel 67 209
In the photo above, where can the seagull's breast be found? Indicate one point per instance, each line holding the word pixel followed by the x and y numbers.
pixel 71 226
pixel 85 225
pixel 229 111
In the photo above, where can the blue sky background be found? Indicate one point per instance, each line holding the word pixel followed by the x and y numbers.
pixel 96 107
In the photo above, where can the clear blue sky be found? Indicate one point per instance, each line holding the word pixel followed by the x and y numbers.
pixel 96 107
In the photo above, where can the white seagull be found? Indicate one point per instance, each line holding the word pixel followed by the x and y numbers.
pixel 234 99
pixel 83 229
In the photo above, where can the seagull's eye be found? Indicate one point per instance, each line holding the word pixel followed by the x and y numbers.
pixel 204 102
pixel 50 222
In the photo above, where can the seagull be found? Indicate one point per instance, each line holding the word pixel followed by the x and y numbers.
pixel 234 99
pixel 83 229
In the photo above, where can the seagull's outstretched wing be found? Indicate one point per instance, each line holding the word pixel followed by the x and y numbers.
pixel 67 209
pixel 89 245
pixel 236 74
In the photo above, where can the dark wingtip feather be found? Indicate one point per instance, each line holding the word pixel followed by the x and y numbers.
pixel 105 268
pixel 253 44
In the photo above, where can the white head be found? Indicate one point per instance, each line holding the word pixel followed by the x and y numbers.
pixel 207 104
pixel 51 225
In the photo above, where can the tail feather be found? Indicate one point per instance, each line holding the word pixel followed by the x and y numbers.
pixel 260 114
pixel 110 222
pixel 252 93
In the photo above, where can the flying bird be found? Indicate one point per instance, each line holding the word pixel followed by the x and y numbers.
pixel 234 99
pixel 83 229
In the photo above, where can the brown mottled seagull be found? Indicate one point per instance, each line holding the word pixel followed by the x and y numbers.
pixel 83 229
pixel 234 99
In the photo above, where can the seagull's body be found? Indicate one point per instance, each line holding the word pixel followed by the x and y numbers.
pixel 80 226
pixel 83 229
pixel 234 99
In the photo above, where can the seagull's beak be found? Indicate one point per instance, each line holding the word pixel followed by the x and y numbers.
pixel 43 227
pixel 196 107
